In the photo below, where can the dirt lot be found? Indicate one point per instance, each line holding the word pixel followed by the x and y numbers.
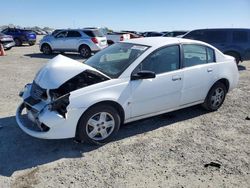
pixel 170 150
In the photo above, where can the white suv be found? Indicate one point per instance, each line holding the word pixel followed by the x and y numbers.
pixel 84 41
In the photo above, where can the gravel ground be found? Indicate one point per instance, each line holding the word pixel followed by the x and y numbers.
pixel 185 148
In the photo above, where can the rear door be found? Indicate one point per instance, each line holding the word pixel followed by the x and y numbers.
pixel 218 38
pixel 199 68
pixel 241 42
pixel 72 40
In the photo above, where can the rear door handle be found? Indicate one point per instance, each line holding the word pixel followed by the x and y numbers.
pixel 209 70
pixel 175 78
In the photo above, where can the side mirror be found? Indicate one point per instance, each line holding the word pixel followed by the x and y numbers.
pixel 143 75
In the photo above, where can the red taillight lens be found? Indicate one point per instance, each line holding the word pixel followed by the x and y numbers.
pixel 121 38
pixel 94 40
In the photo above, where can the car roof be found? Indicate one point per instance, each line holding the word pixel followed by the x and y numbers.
pixel 162 41
pixel 221 29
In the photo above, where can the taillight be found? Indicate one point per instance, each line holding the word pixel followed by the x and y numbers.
pixel 94 40
pixel 121 38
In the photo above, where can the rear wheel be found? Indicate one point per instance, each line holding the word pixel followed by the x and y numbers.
pixel 46 49
pixel 84 51
pixel 215 97
pixel 98 125
pixel 18 42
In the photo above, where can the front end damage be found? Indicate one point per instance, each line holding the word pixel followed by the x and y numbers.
pixel 45 112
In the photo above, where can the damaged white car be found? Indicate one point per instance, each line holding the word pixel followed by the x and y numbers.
pixel 125 82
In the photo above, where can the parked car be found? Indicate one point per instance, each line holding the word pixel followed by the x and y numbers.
pixel 174 33
pixel 234 42
pixel 113 37
pixel 21 36
pixel 84 41
pixel 152 34
pixel 40 32
pixel 7 41
pixel 134 36
pixel 125 82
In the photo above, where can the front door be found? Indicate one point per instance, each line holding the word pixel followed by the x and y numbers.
pixel 59 42
pixel 162 92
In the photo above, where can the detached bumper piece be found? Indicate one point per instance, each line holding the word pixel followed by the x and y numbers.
pixel 28 121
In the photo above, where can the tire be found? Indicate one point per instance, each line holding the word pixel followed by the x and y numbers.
pixel 215 97
pixel 110 42
pixel 32 43
pixel 18 42
pixel 235 55
pixel 84 51
pixel 46 49
pixel 98 125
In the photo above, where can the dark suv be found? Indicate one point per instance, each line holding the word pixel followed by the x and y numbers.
pixel 21 36
pixel 234 42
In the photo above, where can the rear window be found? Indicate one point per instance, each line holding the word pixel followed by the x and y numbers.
pixel 240 36
pixel 94 33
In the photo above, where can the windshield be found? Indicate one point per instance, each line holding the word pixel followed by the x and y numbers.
pixel 113 60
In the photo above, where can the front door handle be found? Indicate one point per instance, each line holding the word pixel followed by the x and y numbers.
pixel 209 70
pixel 175 78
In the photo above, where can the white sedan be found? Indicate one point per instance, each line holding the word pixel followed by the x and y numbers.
pixel 125 82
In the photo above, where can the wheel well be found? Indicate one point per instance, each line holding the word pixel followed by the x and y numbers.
pixel 45 44
pixel 85 46
pixel 114 104
pixel 225 82
pixel 234 52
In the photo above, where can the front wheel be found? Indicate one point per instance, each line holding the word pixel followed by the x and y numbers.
pixel 215 97
pixel 98 125
pixel 46 49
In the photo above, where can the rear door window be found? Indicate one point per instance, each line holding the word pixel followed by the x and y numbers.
pixel 73 34
pixel 240 36
pixel 197 55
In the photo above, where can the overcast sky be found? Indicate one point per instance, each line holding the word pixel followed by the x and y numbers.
pixel 141 15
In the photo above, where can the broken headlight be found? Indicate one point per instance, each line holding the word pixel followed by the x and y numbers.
pixel 24 90
pixel 60 105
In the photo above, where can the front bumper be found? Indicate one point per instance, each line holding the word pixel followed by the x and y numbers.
pixel 38 121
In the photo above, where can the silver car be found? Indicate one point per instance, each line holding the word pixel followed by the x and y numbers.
pixel 84 41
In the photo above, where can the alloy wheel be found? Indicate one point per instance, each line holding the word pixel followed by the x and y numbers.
pixel 100 126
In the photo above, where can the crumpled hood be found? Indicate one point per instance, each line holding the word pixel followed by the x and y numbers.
pixel 58 70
